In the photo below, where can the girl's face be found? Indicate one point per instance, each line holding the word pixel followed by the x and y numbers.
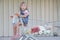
pixel 23 6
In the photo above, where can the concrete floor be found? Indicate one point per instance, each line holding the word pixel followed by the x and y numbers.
pixel 37 38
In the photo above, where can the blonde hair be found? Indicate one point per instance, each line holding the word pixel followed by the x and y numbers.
pixel 22 4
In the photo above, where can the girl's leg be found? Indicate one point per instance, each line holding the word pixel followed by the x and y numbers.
pixel 14 30
pixel 17 31
pixel 17 35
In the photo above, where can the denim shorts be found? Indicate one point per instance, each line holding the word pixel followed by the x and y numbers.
pixel 25 20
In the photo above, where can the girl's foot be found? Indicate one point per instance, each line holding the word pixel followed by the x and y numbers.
pixel 17 36
pixel 13 38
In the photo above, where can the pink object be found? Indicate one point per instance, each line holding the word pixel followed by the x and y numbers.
pixel 35 29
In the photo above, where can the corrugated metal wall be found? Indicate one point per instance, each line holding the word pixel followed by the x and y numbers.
pixel 40 10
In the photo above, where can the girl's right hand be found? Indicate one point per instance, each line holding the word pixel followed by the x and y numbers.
pixel 11 16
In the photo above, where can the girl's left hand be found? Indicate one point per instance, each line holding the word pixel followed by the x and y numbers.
pixel 17 14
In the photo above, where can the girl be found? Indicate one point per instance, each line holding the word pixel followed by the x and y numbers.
pixel 24 13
